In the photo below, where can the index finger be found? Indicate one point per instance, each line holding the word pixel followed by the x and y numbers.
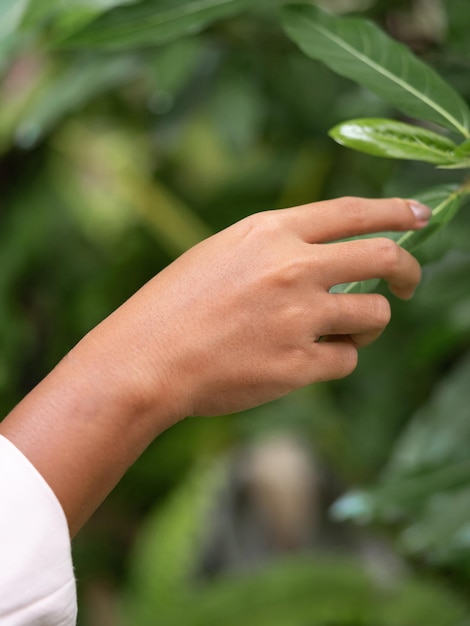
pixel 331 220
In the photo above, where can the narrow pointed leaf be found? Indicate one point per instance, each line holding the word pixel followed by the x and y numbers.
pixel 444 201
pixel 461 164
pixel 396 140
pixel 154 22
pixel 463 149
pixel 403 493
pixel 359 50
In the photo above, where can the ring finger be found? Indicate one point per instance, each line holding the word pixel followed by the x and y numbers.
pixel 359 317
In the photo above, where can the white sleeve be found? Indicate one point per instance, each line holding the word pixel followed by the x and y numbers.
pixel 37 585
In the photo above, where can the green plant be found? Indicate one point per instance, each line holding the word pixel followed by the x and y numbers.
pixel 351 47
pixel 423 490
pixel 305 589
pixel 130 129
pixel 359 50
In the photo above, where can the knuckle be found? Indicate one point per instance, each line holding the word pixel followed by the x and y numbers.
pixel 403 208
pixel 419 273
pixel 332 310
pixel 264 224
pixel 341 362
pixel 299 360
pixel 289 273
pixel 347 360
pixel 354 210
pixel 381 313
pixel 389 251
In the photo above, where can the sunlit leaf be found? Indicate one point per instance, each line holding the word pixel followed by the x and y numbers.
pixel 397 140
pixel 444 201
pixel 153 22
pixel 359 50
pixel 464 148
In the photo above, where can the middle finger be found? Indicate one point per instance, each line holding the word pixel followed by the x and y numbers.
pixel 364 259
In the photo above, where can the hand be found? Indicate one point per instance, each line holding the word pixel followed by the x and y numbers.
pixel 233 323
pixel 236 321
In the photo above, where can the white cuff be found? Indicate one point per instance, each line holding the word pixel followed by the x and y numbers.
pixel 37 585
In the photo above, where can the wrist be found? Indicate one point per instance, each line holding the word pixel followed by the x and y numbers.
pixel 87 422
pixel 134 364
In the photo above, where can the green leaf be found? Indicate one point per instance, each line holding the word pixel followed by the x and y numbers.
pixel 392 497
pixel 154 22
pixel 359 50
pixel 427 480
pixel 166 554
pixel 442 529
pixel 444 201
pixel 67 17
pixel 464 148
pixel 296 590
pixel 396 140
pixel 439 432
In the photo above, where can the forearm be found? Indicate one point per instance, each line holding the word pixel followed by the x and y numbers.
pixel 86 423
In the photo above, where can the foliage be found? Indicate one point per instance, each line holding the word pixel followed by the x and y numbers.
pixel 131 129
pixel 359 50
pixel 151 23
pixel 304 590
pixel 427 477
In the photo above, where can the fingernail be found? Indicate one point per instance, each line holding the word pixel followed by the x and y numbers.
pixel 421 212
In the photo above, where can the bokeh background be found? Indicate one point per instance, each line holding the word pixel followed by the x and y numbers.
pixel 345 504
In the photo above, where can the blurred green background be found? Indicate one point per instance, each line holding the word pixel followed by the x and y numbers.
pixel 345 504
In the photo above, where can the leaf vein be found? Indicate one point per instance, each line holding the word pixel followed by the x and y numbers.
pixel 337 40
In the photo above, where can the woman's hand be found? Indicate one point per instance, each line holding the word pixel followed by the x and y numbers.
pixel 233 323
pixel 237 320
